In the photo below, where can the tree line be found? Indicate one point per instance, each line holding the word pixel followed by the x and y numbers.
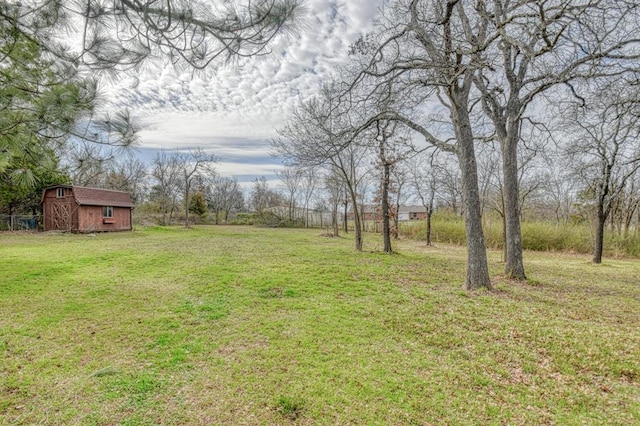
pixel 464 76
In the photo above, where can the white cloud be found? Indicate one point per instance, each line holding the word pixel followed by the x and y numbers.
pixel 221 112
pixel 247 170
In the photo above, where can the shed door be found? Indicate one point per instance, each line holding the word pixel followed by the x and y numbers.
pixel 61 216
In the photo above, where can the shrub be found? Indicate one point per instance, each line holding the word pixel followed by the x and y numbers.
pixel 272 220
pixel 243 219
pixel 539 236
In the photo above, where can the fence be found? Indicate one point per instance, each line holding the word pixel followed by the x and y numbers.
pixel 19 222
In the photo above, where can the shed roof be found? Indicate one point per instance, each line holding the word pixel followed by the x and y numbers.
pixel 101 197
pixel 86 196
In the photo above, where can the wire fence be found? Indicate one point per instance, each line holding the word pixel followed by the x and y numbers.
pixel 19 222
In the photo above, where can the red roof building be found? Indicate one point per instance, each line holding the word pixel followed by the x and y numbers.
pixel 81 209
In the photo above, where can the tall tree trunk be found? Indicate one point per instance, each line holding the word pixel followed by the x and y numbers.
pixel 357 225
pixel 396 213
pixel 477 266
pixel 396 223
pixel 386 228
pixel 171 212
pixel 346 217
pixel 603 209
pixel 334 220
pixel 429 213
pixel 598 245
pixel 357 215
pixel 345 221
pixel 186 209
pixel 514 265
pixel 504 235
pixel 164 211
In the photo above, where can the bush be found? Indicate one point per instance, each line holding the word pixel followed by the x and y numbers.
pixel 540 236
pixel 272 220
pixel 243 219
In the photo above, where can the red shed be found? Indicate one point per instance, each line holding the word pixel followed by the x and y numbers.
pixel 82 209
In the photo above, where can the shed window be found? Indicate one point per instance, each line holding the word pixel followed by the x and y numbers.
pixel 107 211
pixel 60 193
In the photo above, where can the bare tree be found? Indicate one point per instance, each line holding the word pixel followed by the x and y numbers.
pixel 224 195
pixel 129 175
pixel 291 179
pixel 166 190
pixel 605 150
pixel 626 205
pixel 424 181
pixel 418 52
pixel 262 196
pixel 316 135
pixel 400 177
pixel 335 188
pixel 492 186
pixel 449 183
pixel 309 187
pixel 391 148
pixel 190 164
pixel 385 184
pixel 527 49
pixel 559 186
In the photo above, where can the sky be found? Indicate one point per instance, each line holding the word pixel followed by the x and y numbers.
pixel 235 112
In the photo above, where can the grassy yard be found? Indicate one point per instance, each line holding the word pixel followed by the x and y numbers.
pixel 239 325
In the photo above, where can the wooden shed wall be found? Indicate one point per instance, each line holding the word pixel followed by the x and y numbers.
pixel 60 213
pixel 91 220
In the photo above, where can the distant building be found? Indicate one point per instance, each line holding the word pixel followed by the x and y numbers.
pixel 405 213
pixel 81 209
pixel 412 213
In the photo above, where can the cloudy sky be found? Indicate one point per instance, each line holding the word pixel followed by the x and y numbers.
pixel 234 113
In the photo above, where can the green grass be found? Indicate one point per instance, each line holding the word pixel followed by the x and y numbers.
pixel 238 325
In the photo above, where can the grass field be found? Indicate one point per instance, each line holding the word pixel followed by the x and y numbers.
pixel 239 325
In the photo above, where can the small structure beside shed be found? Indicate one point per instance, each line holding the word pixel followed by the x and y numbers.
pixel 82 209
